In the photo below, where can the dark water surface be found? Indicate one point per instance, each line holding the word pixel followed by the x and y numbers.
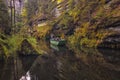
pixel 61 63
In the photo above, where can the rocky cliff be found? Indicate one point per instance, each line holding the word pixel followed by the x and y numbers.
pixel 91 23
pixel 94 23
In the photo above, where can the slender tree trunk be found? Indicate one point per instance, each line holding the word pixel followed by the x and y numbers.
pixel 11 13
pixel 14 20
pixel 14 11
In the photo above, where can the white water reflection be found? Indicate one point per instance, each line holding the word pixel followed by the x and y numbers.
pixel 26 77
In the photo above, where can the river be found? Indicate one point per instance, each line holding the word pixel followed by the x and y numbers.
pixel 62 63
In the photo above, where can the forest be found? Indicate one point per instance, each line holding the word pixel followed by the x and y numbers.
pixel 82 26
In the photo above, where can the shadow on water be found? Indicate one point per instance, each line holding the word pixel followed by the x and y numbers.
pixel 62 63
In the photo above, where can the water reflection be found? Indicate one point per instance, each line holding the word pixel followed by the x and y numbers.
pixel 26 77
pixel 63 64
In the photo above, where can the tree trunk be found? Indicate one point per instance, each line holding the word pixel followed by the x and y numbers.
pixel 14 15
pixel 11 13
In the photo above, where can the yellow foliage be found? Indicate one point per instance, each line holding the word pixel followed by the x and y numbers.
pixel 59 1
pixel 42 32
pixel 62 36
pixel 24 12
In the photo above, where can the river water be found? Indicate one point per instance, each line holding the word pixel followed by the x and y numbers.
pixel 62 63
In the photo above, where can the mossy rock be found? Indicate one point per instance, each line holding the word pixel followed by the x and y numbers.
pixel 27 48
